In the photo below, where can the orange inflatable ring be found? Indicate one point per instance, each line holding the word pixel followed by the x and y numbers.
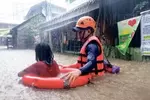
pixel 55 82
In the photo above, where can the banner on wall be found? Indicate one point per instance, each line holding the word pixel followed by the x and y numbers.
pixel 145 33
pixel 126 31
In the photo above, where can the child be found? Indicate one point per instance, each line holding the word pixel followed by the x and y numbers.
pixel 45 66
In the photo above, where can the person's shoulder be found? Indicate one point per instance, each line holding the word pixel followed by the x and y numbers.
pixel 54 62
pixel 92 45
pixel 40 64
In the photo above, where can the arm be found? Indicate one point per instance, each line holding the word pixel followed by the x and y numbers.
pixel 92 52
pixel 30 70
pixel 70 66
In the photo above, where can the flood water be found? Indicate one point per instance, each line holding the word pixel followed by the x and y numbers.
pixel 133 83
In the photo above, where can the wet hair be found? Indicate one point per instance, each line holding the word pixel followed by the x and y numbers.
pixel 44 53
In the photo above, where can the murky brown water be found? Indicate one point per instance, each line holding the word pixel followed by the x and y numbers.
pixel 133 83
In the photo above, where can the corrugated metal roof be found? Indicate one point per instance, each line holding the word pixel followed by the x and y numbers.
pixel 84 8
pixel 36 9
pixel 23 23
pixel 4 32
pixel 68 24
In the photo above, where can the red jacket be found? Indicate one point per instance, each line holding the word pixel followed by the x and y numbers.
pixel 43 70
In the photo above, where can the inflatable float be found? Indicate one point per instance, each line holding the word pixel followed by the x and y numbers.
pixel 55 82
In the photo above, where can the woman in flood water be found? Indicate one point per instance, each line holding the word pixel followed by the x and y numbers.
pixel 45 66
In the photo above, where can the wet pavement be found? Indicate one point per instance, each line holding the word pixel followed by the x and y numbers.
pixel 133 83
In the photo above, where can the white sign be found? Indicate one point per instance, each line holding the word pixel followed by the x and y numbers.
pixel 145 33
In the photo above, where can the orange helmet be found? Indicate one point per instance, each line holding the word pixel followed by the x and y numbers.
pixel 85 22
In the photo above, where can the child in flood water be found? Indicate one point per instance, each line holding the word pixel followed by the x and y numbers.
pixel 45 66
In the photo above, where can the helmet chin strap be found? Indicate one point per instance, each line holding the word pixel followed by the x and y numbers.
pixel 81 36
pixel 85 38
pixel 88 36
